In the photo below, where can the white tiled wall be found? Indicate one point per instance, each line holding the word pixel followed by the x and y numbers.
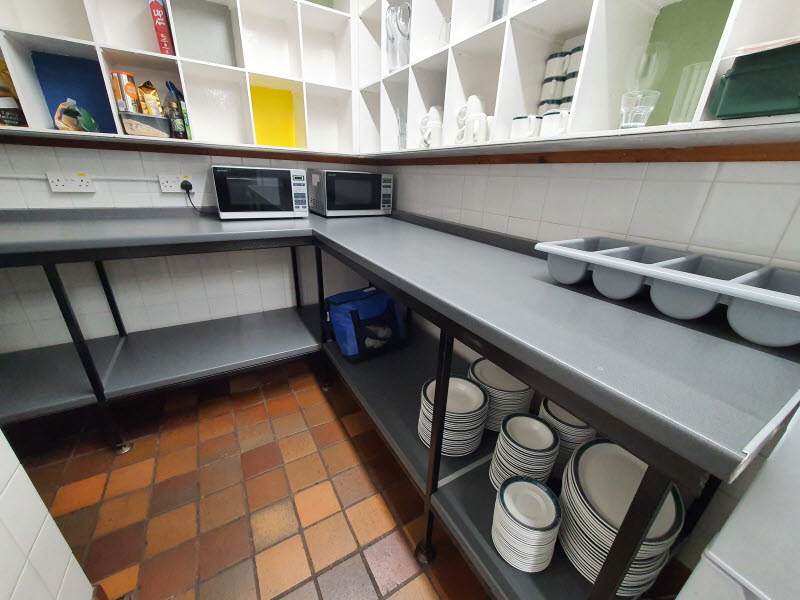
pixel 746 210
pixel 35 561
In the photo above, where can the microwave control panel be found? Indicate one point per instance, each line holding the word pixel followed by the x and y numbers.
pixel 387 183
pixel 300 192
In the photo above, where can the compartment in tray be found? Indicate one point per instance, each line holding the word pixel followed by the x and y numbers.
pixel 571 270
pixel 762 323
pixel 619 285
pixel 685 302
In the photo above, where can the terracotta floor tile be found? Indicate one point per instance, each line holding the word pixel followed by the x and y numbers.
pixel 272 524
pixel 178 419
pixel 87 466
pixel 180 437
pixel 174 492
pixel 222 507
pixel 404 500
pixel 319 414
pixel 281 405
pixel 237 583
pixel 46 478
pixel 329 541
pixel 340 457
pixel 289 424
pixel 121 512
pixel 307 591
pixel 370 519
pixel 357 423
pixel 251 416
pixel 78 495
pixel 187 595
pixel 370 446
pixel 115 552
pixel 133 477
pixel 347 581
pixel 244 382
pixel 310 397
pixel 282 567
pixel 316 503
pixel 51 455
pixel 297 367
pixel 305 472
pixel 143 448
pixel 171 529
pixel 121 583
pixel 266 489
pixel 220 475
pixel 391 561
pixel 245 399
pixel 90 441
pixel 385 471
pixel 328 434
pixel 215 427
pixel 255 436
pixel 223 547
pixel 343 403
pixel 178 400
pixel 419 589
pixel 214 407
pixel 276 389
pixel 297 446
pixel 303 381
pixel 261 459
pixel 77 527
pixel 176 463
pixel 220 447
pixel 168 573
pixel 353 485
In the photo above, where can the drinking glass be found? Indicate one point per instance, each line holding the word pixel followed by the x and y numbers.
pixel 637 107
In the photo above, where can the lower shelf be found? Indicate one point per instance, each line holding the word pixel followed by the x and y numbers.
pixel 466 506
pixel 388 388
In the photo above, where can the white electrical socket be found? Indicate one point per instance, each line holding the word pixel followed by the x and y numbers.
pixel 172 183
pixel 70 182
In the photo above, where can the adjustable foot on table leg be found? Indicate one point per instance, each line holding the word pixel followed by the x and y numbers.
pixel 425 553
pixel 123 448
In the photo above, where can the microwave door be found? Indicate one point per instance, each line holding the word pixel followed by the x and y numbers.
pixel 353 192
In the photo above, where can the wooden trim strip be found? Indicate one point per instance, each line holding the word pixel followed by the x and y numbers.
pixel 783 151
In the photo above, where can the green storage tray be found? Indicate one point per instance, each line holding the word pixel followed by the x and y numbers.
pixel 760 84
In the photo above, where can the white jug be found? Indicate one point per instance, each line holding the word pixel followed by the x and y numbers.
pixel 431 127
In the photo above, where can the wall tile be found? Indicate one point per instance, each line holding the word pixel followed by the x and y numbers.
pixel 12 562
pixel 619 170
pixel 565 201
pixel 759 172
pixel 500 192
pixel 495 222
pixel 668 210
pixel 551 232
pixel 76 586
pixel 528 198
pixel 789 247
pixel 11 195
pixel 746 218
pixel 572 170
pixel 22 510
pixel 12 309
pixel 472 218
pixel 49 332
pixel 17 336
pixel 523 228
pixel 30 586
pixel 475 189
pixel 534 170
pixel 610 205
pixel 50 556
pixel 502 170
pixel 688 171
pixel 8 463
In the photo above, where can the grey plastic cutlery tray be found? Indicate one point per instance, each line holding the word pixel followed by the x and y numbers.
pixel 763 302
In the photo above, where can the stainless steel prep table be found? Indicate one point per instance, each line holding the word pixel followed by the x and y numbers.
pixel 684 401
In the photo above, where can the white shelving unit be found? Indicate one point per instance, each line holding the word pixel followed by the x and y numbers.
pixel 331 59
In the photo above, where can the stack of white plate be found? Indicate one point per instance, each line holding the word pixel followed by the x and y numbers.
pixel 527 446
pixel 507 394
pixel 599 484
pixel 467 405
pixel 525 525
pixel 572 432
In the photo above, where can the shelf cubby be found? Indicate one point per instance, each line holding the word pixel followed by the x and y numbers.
pixel 369 44
pixel 426 88
pixel 469 17
pixel 218 103
pixel 473 69
pixel 326 46
pixel 369 118
pixel 278 111
pixel 123 24
pixel 428 23
pixel 156 68
pixel 207 31
pixel 55 18
pixel 342 6
pixel 394 110
pixel 271 37
pixel 39 101
pixel 329 118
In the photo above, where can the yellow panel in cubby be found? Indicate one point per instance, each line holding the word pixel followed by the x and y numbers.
pixel 273 115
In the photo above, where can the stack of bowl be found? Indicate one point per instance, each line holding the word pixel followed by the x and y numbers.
pixel 525 524
pixel 599 484
pixel 572 432
pixel 467 406
pixel 527 445
pixel 507 394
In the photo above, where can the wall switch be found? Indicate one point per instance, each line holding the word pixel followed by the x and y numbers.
pixel 70 182
pixel 172 183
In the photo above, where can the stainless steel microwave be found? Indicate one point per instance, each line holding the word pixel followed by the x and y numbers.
pixel 260 193
pixel 350 193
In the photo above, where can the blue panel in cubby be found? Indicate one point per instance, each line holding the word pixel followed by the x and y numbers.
pixel 81 79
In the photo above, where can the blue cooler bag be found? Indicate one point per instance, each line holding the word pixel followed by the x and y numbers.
pixel 365 322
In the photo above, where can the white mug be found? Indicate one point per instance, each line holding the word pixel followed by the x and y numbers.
pixel 432 134
pixel 473 105
pixel 525 126
pixel 475 130
pixel 554 122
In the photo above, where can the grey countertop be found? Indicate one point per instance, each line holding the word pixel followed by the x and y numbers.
pixel 709 398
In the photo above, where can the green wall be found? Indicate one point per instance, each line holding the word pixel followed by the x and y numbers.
pixel 691 29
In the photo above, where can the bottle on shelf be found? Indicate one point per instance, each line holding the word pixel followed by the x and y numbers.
pixel 176 123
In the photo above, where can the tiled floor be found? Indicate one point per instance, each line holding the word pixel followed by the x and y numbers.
pixel 277 491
